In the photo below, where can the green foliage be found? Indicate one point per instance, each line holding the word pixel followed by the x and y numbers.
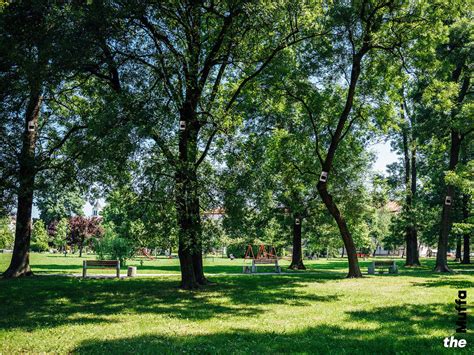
pixel 59 237
pixel 135 217
pixel 7 236
pixel 60 202
pixel 262 87
pixel 39 237
pixel 238 247
pixel 113 247
pixel 213 234
pixel 462 178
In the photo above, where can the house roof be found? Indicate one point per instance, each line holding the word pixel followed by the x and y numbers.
pixel 215 211
pixel 393 206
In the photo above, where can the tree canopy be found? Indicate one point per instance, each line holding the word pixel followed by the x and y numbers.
pixel 265 111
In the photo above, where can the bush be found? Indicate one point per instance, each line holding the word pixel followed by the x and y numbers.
pixel 39 237
pixel 113 247
pixel 238 249
pixel 7 237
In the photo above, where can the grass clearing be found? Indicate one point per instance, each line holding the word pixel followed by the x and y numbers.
pixel 318 311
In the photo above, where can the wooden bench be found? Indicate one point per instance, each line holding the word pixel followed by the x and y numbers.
pixel 103 264
pixel 261 261
pixel 390 265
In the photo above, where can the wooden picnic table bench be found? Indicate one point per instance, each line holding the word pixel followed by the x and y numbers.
pixel 390 265
pixel 103 264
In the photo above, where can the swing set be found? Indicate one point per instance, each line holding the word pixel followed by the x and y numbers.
pixel 263 257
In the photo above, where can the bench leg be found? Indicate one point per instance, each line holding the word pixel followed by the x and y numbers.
pixel 118 269
pixel 371 270
pixel 84 268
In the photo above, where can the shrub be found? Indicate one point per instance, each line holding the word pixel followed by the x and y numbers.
pixel 114 247
pixel 7 237
pixel 39 237
pixel 238 249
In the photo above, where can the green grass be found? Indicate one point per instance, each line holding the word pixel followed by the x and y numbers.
pixel 318 311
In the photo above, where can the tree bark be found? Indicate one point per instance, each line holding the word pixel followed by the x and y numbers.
pixel 187 202
pixel 409 155
pixel 297 257
pixel 466 259
pixel 185 245
pixel 197 239
pixel 81 247
pixel 441 255
pixel 458 249
pixel 354 270
pixel 456 139
pixel 20 262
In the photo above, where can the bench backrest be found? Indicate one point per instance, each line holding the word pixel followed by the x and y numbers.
pixel 384 263
pixel 265 261
pixel 102 263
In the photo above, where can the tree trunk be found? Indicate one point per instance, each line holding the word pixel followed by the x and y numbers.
pixel 197 239
pixel 185 245
pixel 456 139
pixel 20 263
pixel 466 259
pixel 80 248
pixel 195 215
pixel 297 257
pixel 441 255
pixel 354 270
pixel 458 249
pixel 414 259
pixel 187 203
pixel 409 154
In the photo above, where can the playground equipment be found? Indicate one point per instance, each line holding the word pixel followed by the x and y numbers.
pixel 144 252
pixel 263 257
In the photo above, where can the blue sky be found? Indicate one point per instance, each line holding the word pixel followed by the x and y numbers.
pixel 384 156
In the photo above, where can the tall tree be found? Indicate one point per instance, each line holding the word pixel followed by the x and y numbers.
pixel 36 54
pixel 447 98
pixel 82 229
pixel 195 58
pixel 362 31
pixel 59 202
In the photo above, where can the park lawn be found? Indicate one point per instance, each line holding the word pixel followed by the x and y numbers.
pixel 45 263
pixel 314 312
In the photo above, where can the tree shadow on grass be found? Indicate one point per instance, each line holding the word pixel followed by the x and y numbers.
pixel 401 329
pixel 457 284
pixel 41 302
pixel 211 269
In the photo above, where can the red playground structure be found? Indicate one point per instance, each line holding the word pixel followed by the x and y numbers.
pixel 144 252
pixel 263 257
